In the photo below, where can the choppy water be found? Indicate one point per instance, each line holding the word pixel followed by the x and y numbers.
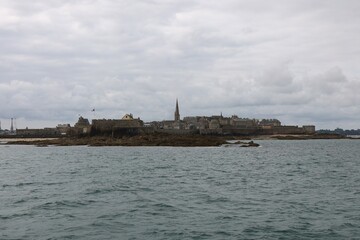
pixel 282 190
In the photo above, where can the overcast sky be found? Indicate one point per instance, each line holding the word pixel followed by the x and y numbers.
pixel 297 61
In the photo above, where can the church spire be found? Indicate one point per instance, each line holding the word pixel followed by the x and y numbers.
pixel 177 113
pixel 12 125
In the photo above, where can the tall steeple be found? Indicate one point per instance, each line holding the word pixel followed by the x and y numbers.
pixel 12 125
pixel 177 113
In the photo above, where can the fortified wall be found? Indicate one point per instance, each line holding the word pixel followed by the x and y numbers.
pixel 118 127
pixel 38 133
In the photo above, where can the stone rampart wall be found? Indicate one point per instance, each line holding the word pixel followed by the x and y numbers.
pixel 241 131
pixel 105 127
pixel 288 130
pixel 45 132
pixel 309 129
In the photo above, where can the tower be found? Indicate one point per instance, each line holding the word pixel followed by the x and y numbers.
pixel 12 125
pixel 177 113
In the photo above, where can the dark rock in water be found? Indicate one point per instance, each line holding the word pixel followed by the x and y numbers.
pixel 306 137
pixel 241 144
pixel 252 144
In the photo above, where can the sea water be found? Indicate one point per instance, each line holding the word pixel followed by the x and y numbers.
pixel 281 190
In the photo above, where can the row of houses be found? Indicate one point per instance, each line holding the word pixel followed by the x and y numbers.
pixel 229 126
pixel 234 125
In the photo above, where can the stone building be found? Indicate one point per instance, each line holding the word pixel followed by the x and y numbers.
pixel 270 122
pixel 214 124
pixel 309 129
pixel 82 127
pixel 63 128
pixel 176 124
pixel 126 126
pixel 237 122
pixel 128 117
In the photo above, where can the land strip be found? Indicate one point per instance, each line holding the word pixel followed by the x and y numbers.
pixel 160 140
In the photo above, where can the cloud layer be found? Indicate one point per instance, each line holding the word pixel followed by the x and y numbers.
pixel 296 61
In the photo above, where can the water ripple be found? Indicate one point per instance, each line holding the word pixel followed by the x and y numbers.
pixel 284 190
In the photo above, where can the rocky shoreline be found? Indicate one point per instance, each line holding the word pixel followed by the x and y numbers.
pixel 308 137
pixel 142 140
pixel 139 140
pixel 166 140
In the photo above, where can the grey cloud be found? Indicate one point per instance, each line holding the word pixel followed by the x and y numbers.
pixel 251 58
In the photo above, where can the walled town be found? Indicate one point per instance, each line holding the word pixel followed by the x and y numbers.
pixel 128 125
